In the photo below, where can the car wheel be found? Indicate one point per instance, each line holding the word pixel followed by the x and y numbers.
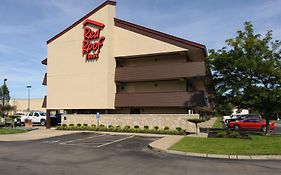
pixel 263 129
pixel 43 122
pixel 236 127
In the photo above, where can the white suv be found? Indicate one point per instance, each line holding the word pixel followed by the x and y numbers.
pixel 37 117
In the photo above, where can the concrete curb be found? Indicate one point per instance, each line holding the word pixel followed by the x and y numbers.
pixel 218 156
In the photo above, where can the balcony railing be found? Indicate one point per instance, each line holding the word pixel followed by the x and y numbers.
pixel 160 72
pixel 163 99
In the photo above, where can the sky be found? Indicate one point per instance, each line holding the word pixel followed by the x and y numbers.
pixel 26 25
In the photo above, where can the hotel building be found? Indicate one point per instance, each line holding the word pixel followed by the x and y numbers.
pixel 107 65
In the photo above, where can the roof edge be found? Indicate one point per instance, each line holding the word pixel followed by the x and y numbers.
pixel 161 34
pixel 108 2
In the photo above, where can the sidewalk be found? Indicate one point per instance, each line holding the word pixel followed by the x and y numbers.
pixel 39 133
pixel 42 133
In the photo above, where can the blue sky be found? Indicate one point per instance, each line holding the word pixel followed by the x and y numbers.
pixel 26 25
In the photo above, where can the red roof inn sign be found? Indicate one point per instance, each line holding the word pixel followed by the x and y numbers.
pixel 92 42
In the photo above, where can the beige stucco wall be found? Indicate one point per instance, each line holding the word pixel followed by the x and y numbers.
pixel 74 83
pixel 130 43
pixel 151 120
pixel 22 105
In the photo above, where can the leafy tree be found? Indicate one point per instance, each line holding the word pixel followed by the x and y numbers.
pixel 4 98
pixel 247 73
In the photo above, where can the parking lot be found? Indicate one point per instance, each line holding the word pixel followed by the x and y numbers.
pixel 89 140
pixel 90 153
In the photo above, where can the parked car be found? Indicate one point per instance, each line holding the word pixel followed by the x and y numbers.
pixel 19 118
pixel 241 117
pixel 232 116
pixel 251 124
pixel 37 117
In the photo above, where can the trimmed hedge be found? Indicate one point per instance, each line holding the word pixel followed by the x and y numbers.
pixel 135 129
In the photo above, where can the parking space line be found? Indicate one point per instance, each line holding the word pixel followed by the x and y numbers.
pixel 71 141
pixel 119 140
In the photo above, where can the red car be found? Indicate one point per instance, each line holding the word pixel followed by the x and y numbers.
pixel 251 124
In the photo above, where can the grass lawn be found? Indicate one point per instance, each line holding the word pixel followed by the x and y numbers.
pixel 258 145
pixel 11 131
pixel 218 123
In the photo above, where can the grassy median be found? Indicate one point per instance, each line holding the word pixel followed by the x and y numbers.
pixel 257 145
pixel 218 123
pixel 11 131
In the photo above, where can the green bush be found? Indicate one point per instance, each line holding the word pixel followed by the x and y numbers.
pixel 110 126
pixel 178 128
pixel 64 125
pixel 71 124
pixel 93 125
pixel 136 127
pixel 234 134
pixel 146 127
pixel 221 133
pixel 85 124
pixel 126 128
pixel 166 128
pixel 79 124
pixel 196 120
pixel 101 126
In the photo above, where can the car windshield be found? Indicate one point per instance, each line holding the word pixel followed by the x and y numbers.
pixel 42 113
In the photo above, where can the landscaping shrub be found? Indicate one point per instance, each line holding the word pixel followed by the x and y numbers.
pixel 85 124
pixel 178 128
pixel 71 124
pixel 166 128
pixel 93 125
pixel 146 127
pixel 221 133
pixel 126 128
pixel 79 124
pixel 110 126
pixel 234 134
pixel 64 125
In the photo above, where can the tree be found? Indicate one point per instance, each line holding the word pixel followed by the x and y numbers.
pixel 247 73
pixel 5 98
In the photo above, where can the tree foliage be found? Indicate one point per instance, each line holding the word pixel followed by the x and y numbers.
pixel 4 99
pixel 247 73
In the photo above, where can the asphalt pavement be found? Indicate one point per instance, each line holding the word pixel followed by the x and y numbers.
pixel 91 153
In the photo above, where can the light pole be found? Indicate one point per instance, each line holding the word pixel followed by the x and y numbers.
pixel 28 93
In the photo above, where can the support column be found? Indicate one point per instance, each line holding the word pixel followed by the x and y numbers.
pixel 48 119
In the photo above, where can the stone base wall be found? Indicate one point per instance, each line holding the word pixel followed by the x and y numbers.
pixel 161 120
